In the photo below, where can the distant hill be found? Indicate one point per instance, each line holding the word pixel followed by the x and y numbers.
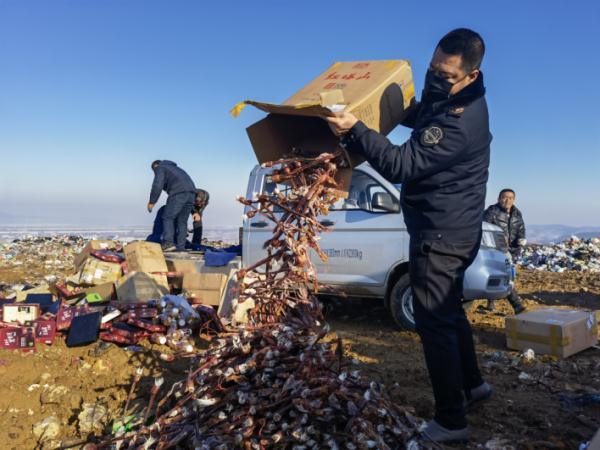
pixel 8 219
pixel 544 234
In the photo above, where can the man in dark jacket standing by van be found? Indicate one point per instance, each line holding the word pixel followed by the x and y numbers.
pixel 182 192
pixel 508 217
pixel 443 169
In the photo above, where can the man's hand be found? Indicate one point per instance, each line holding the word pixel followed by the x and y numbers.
pixel 341 122
pixel 196 217
pixel 150 206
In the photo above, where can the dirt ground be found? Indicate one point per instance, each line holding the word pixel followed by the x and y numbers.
pixel 555 405
pixel 558 407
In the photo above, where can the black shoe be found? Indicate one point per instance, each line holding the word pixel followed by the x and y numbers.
pixel 477 395
pixel 490 306
pixel 434 432
pixel 518 308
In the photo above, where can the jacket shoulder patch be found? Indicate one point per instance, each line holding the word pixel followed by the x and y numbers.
pixel 431 136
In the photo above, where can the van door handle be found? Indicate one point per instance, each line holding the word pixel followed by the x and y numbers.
pixel 261 224
pixel 327 223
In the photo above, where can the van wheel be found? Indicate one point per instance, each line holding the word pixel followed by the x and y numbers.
pixel 401 303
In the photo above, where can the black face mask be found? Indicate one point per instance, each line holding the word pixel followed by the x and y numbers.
pixel 436 88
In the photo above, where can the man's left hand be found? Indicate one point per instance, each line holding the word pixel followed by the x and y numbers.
pixel 341 122
pixel 150 206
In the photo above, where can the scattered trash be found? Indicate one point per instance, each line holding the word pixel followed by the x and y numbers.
pixel 581 255
pixel 528 355
pixel 92 418
pixel 578 400
pixel 134 348
pixel 524 376
pixel 47 429
pixel 499 444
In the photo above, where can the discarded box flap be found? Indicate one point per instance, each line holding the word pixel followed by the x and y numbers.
pixel 327 104
pixel 141 287
pixel 22 295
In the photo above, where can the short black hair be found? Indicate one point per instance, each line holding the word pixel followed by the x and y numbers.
pixel 466 43
pixel 506 190
pixel 155 163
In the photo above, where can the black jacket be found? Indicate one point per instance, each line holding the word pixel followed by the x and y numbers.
pixel 171 179
pixel 511 223
pixel 443 167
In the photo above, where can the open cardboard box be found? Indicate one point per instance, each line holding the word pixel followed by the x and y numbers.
pixel 377 92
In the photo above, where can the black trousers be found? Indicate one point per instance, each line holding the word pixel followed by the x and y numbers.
pixel 437 266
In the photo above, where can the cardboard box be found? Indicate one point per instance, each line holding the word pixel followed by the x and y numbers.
pixel 66 314
pixel 105 290
pixel 93 271
pixel 9 338
pixel 196 265
pixel 557 332
pixel 95 244
pixel 141 287
pixel 185 266
pixel 142 256
pixel 45 331
pixel 377 92
pixel 20 312
pixel 205 288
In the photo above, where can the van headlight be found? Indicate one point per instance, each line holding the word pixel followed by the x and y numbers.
pixel 494 239
pixel 487 240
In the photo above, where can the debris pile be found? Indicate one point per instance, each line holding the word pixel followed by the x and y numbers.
pixel 582 255
pixel 44 258
pixel 56 250
pixel 274 382
pixel 115 293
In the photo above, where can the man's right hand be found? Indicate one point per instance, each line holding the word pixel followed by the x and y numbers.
pixel 341 123
pixel 150 206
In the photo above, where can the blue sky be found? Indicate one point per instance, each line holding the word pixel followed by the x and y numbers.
pixel 92 91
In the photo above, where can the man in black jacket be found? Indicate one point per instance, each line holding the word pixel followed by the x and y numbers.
pixel 181 191
pixel 508 217
pixel 443 169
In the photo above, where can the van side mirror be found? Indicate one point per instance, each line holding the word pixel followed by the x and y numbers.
pixel 385 201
